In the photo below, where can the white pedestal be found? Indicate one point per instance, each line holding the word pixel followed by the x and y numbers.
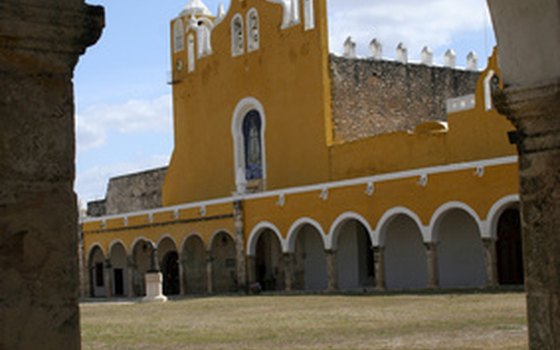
pixel 154 290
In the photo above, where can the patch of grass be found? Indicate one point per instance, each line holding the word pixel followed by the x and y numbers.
pixel 446 321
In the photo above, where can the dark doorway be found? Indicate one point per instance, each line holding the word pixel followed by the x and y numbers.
pixel 509 248
pixel 170 271
pixel 119 281
pixel 268 262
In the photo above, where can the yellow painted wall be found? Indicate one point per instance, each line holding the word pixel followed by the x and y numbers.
pixel 288 75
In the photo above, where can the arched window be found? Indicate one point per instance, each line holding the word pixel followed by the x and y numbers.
pixel 253 35
pixel 204 34
pixel 190 53
pixel 248 131
pixel 237 42
pixel 178 36
pixel 308 14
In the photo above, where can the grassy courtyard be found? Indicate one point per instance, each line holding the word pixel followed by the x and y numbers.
pixel 446 321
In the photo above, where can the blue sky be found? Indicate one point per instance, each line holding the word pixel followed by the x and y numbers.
pixel 123 104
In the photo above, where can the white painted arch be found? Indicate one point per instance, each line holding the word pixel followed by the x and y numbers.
pixel 116 242
pixel 256 232
pixel 295 228
pixel 494 213
pixel 164 237
pixel 216 233
pixel 381 230
pixel 94 246
pixel 331 243
pixel 440 213
pixel 136 241
pixel 192 235
pixel 243 107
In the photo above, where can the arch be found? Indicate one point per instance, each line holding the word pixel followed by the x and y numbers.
pixel 460 250
pixel 204 37
pixel 116 242
pixel 94 246
pixel 256 232
pixel 190 236
pixel 432 235
pixel 352 238
pixel 224 262
pixel 191 57
pixel 168 257
pixel 141 258
pixel 217 233
pixel 309 256
pixel 178 36
pixel 96 269
pixel 269 261
pixel 164 237
pixel 119 268
pixel 193 259
pixel 389 216
pixel 509 248
pixel 294 229
pixel 405 255
pixel 253 30
pixel 136 241
pixel 495 212
pixel 237 36
pixel 241 111
pixel 340 220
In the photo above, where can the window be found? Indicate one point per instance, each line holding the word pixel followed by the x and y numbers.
pixel 253 35
pixel 237 42
pixel 204 33
pixel 178 36
pixel 190 53
pixel 252 140
pixel 99 282
pixel 308 14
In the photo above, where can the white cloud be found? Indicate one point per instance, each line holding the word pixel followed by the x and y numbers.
pixel 134 116
pixel 414 22
pixel 91 183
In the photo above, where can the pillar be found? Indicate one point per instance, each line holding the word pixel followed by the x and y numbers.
pixel 490 260
pixel 289 260
pixel 41 42
pixel 379 265
pixel 251 277
pixel 432 262
pixel 331 270
pixel 242 278
pixel 108 278
pixel 182 276
pixel 209 279
pixel 130 269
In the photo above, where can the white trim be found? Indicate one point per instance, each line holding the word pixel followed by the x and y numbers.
pixel 234 50
pixel 487 163
pixel 491 229
pixel 295 228
pixel 243 107
pixel 440 213
pixel 178 36
pixel 389 216
pixel 332 238
pixel 255 234
pixel 165 236
pixel 191 54
pixel 192 235
pixel 215 234
pixel 488 105
pixel 114 243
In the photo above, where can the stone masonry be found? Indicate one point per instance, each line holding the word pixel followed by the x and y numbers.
pixel 372 97
pixel 40 43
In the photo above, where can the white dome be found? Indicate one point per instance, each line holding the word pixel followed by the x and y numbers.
pixel 197 8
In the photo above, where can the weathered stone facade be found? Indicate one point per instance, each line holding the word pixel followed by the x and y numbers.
pixel 129 193
pixel 372 97
pixel 40 43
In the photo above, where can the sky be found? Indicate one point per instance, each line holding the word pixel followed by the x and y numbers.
pixel 123 103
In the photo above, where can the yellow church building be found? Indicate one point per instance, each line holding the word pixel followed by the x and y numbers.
pixel 301 170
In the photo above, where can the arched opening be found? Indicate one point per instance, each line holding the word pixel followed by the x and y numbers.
pixel 194 255
pixel 169 266
pixel 224 264
pixel 253 35
pixel 119 264
pixel 509 248
pixel 97 273
pixel 354 259
pixel 405 255
pixel 178 36
pixel 252 148
pixel 269 269
pixel 460 251
pixel 310 264
pixel 237 36
pixel 141 255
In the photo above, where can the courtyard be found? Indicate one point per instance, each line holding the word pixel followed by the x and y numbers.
pixel 466 320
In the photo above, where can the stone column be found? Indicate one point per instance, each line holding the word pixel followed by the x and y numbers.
pixel 242 280
pixel 379 265
pixel 535 111
pixel 251 278
pixel 182 276
pixel 331 271
pixel 209 279
pixel 432 265
pixel 490 260
pixel 130 269
pixel 289 259
pixel 108 278
pixel 40 43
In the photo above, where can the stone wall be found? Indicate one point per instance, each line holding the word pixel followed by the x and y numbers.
pixel 373 97
pixel 129 193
